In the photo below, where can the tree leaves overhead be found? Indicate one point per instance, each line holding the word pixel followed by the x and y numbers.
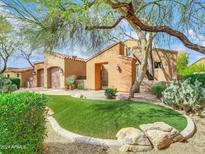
pixel 5 27
pixel 61 21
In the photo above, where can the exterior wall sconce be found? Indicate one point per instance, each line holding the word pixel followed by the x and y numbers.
pixel 61 71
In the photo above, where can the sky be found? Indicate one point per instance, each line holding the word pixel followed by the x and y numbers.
pixel 18 61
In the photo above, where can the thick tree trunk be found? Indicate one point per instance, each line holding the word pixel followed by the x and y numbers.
pixel 150 67
pixel 146 46
pixel 4 68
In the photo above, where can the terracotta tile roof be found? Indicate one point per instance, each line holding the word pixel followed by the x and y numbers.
pixel 41 62
pixel 60 55
pixel 19 70
pixel 165 50
pixel 103 50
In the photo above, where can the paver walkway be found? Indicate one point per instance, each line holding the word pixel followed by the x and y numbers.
pixel 91 94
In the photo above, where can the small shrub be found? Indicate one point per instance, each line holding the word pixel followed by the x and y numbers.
pixel 6 85
pixel 22 122
pixel 110 93
pixel 80 86
pixel 70 81
pixel 16 81
pixel 185 95
pixel 157 89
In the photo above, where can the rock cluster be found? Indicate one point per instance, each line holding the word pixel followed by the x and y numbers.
pixel 133 140
pixel 79 96
pixel 158 135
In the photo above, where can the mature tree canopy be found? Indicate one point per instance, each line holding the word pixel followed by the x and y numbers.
pixel 174 18
pixel 182 62
pixel 5 27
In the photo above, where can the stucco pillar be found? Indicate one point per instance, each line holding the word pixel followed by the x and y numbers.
pixel 45 72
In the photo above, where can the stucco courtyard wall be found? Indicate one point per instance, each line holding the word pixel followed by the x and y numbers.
pixel 120 69
pixel 24 74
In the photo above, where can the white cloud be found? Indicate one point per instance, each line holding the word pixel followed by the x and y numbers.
pixel 198 38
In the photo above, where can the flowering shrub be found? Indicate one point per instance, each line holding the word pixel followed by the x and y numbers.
pixel 185 95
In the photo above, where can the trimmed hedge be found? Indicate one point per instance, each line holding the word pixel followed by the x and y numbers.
pixel 16 81
pixel 22 122
pixel 194 77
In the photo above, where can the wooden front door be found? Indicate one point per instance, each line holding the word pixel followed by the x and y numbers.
pixel 55 78
pixel 104 76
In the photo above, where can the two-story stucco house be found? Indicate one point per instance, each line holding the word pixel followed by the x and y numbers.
pixel 113 67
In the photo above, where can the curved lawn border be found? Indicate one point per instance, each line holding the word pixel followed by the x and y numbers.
pixel 76 138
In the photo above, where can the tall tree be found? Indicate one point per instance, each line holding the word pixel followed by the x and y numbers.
pixel 182 62
pixel 6 45
pixel 6 50
pixel 83 17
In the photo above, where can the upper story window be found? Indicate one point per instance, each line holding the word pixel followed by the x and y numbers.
pixel 157 64
pixel 17 75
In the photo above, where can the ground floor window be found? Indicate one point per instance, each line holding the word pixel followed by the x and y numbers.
pixel 157 64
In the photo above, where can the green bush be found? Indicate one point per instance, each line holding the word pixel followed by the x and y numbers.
pixel 186 96
pixel 22 122
pixel 194 77
pixel 16 81
pixel 199 68
pixel 70 81
pixel 110 93
pixel 157 89
pixel 80 86
pixel 6 85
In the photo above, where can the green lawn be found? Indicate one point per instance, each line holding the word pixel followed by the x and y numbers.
pixel 103 119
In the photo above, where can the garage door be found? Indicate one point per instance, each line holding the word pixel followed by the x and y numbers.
pixel 41 78
pixel 55 78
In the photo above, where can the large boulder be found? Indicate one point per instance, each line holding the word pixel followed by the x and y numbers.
pixel 156 126
pixel 161 134
pixel 132 136
pixel 134 148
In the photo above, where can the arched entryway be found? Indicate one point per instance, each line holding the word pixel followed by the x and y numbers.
pixel 54 77
pixel 40 78
pixel 104 76
pixel 101 76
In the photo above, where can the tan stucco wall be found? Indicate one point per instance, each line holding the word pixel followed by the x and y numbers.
pixel 23 76
pixel 121 80
pixel 168 70
pixel 51 61
pixel 104 57
pixel 168 59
